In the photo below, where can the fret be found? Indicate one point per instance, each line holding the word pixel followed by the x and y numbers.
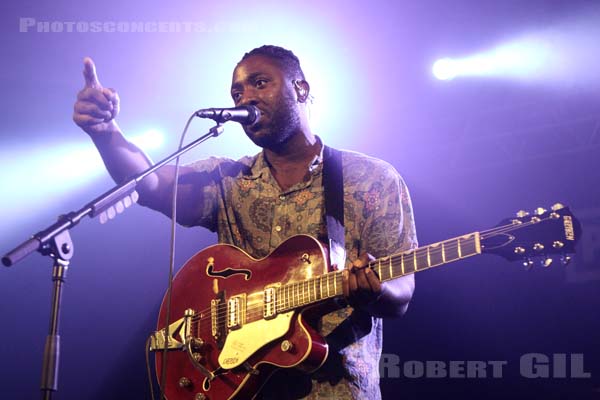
pixel 443 253
pixel 391 273
pixel 402 263
pixel 451 250
pixel 421 259
pixel 379 269
pixel 334 283
pixel 459 249
pixel 415 267
pixel 303 292
pixel 436 254
pixel 294 294
pixel 428 258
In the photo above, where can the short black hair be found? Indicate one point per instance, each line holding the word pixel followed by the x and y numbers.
pixel 285 58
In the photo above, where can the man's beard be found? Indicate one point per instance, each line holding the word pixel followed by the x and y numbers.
pixel 283 124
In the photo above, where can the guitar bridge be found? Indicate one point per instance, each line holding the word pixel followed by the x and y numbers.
pixel 178 336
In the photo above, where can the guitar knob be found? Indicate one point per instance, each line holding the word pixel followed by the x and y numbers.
pixel 546 262
pixel 557 244
pixel 519 250
pixel 565 260
pixel 522 214
pixel 538 247
pixel 539 211
pixel 184 382
pixel 557 207
pixel 286 345
pixel 528 263
pixel 200 396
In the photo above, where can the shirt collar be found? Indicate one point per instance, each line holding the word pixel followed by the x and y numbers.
pixel 260 167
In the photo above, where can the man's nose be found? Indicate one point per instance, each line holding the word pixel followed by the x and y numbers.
pixel 249 98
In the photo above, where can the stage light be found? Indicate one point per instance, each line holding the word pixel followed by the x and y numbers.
pixel 561 56
pixel 48 173
pixel 445 69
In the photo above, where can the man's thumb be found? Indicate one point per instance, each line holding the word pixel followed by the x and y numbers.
pixel 89 73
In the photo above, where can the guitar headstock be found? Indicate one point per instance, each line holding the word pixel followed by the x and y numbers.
pixel 541 234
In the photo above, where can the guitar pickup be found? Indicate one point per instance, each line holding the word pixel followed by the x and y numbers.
pixel 269 303
pixel 236 309
pixel 179 334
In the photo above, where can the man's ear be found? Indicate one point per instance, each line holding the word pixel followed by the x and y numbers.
pixel 302 90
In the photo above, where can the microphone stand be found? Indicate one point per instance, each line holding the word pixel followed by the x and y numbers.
pixel 55 242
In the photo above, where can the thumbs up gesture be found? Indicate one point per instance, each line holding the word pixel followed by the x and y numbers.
pixel 96 106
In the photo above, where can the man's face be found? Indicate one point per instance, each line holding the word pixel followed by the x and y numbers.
pixel 261 82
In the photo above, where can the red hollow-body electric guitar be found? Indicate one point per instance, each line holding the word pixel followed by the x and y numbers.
pixel 237 319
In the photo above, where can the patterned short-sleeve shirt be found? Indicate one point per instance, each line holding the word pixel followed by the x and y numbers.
pixel 244 204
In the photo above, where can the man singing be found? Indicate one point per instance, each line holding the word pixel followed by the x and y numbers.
pixel 259 201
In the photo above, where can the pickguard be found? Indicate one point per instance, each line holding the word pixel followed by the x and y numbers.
pixel 242 343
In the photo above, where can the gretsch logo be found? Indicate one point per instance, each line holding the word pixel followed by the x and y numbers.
pixel 227 272
pixel 569 231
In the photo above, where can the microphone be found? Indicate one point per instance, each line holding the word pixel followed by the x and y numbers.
pixel 245 115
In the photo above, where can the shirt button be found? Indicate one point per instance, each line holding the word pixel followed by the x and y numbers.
pixel 281 197
pixel 278 228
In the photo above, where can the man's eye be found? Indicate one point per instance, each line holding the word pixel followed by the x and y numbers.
pixel 260 83
pixel 236 96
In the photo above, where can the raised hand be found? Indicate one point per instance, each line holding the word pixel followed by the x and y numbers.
pixel 96 106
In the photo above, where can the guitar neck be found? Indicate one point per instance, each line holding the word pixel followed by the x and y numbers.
pixel 328 286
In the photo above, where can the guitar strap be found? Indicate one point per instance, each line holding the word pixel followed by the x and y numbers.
pixel 333 186
pixel 357 325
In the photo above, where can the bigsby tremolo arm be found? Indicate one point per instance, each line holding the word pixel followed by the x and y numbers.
pixel 180 329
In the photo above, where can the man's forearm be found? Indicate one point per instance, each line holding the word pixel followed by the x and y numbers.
pixel 394 298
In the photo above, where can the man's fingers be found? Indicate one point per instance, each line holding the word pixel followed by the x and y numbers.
pixel 85 107
pixel 345 288
pixel 86 120
pixel 89 74
pixel 95 96
pixel 110 94
pixel 373 280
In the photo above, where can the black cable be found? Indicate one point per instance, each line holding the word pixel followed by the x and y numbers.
pixel 163 375
pixel 148 371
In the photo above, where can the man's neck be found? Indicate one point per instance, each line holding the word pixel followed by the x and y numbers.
pixel 289 164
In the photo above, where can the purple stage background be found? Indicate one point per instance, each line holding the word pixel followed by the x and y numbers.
pixel 473 150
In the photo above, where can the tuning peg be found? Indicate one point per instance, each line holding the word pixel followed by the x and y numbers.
pixel 546 262
pixel 539 211
pixel 519 250
pixel 565 260
pixel 516 221
pixel 557 207
pixel 528 263
pixel 522 214
pixel 103 217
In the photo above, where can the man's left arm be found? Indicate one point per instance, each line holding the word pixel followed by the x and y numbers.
pixel 390 229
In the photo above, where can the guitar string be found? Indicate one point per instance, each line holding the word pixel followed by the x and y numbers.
pixel 298 294
pixel 297 297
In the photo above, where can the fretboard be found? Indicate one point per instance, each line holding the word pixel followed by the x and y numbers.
pixel 327 286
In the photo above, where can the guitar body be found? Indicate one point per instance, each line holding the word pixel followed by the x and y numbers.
pixel 240 357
